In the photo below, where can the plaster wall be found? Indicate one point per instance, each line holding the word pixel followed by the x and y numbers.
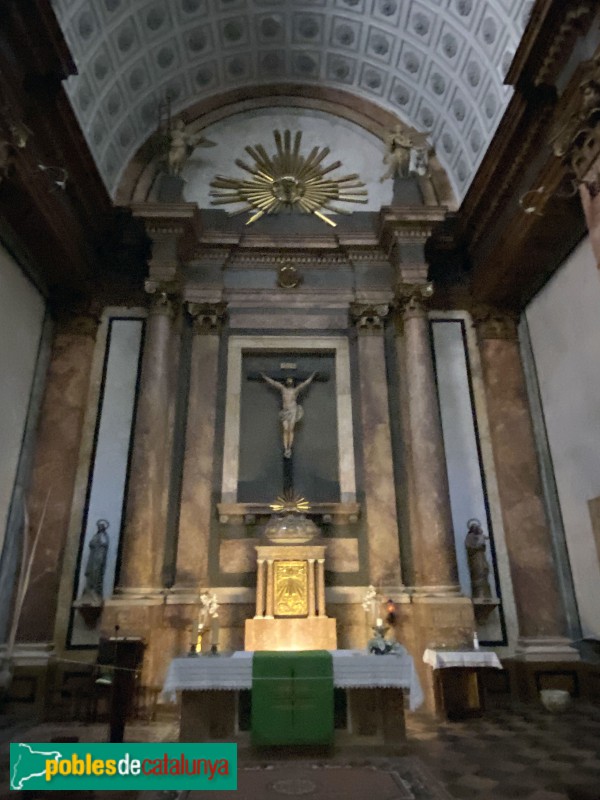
pixel 21 318
pixel 563 326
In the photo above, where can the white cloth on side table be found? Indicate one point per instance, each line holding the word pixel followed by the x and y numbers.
pixel 438 659
pixel 352 669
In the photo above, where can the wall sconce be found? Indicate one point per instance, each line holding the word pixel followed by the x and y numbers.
pixel 58 175
pixel 391 612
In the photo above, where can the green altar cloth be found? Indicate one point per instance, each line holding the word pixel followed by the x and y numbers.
pixel 292 698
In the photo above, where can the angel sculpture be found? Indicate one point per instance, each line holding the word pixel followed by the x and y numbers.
pixel 173 145
pixel 181 146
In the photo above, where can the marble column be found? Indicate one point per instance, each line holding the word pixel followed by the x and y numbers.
pixel 380 493
pixel 541 617
pixel 321 587
pixel 434 564
pixel 55 460
pixel 260 588
pixel 145 522
pixel 311 587
pixel 197 487
pixel 270 605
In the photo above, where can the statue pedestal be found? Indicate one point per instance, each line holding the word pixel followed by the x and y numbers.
pixel 290 600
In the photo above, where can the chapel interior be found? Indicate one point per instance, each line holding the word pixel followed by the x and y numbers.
pixel 299 302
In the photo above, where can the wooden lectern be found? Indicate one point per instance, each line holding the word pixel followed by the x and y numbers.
pixel 124 654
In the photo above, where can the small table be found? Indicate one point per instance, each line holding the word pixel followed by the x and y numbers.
pixel 374 685
pixel 457 680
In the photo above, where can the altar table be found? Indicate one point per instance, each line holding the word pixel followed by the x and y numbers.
pixel 374 684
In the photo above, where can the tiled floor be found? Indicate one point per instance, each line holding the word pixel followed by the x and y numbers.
pixel 522 754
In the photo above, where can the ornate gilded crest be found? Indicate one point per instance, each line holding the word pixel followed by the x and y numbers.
pixel 288 180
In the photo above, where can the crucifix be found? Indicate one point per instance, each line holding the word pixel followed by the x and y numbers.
pixel 291 411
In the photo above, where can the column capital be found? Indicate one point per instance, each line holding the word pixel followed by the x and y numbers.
pixel 164 296
pixel 77 324
pixel 369 317
pixel 411 298
pixel 206 317
pixel 494 323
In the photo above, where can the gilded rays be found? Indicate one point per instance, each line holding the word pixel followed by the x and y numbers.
pixel 288 180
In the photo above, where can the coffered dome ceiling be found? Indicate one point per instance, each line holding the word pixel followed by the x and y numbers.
pixel 436 64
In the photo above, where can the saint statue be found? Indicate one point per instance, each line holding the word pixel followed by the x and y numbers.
pixel 479 568
pixel 406 154
pixel 96 564
pixel 291 411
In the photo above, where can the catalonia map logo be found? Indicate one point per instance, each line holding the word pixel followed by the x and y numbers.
pixel 35 766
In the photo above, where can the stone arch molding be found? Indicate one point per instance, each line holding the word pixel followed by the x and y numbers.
pixel 436 64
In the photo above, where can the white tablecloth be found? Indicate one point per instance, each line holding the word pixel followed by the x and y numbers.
pixel 352 669
pixel 438 659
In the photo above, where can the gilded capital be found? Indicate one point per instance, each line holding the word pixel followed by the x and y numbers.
pixel 368 317
pixel 206 317
pixel 494 323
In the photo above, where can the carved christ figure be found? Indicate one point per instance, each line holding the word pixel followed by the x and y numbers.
pixel 291 411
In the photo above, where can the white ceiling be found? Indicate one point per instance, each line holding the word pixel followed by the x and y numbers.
pixel 437 64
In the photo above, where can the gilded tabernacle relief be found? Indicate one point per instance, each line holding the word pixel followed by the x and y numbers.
pixel 291 589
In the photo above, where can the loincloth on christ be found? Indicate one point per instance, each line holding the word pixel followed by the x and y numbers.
pixel 291 415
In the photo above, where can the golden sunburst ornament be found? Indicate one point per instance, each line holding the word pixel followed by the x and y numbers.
pixel 288 180
pixel 291 503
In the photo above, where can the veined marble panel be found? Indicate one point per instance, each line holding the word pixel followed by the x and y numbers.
pixel 239 555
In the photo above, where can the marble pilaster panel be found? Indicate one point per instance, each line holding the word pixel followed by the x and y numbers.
pixel 144 533
pixel 536 590
pixel 432 539
pixel 196 494
pixel 237 555
pixel 380 494
pixel 55 468
pixel 342 555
